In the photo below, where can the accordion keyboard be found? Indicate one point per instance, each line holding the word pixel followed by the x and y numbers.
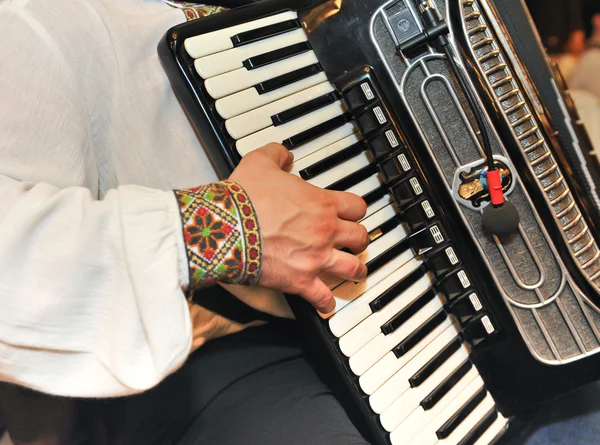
pixel 401 331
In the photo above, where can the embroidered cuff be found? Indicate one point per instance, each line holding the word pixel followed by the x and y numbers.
pixel 220 230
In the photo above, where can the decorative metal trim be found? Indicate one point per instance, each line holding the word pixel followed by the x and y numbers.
pixel 513 103
pixel 536 150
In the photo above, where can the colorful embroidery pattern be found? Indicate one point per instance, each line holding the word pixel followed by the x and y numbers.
pixel 193 10
pixel 221 233
pixel 196 12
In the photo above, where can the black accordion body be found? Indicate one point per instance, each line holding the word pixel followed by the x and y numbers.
pixel 455 331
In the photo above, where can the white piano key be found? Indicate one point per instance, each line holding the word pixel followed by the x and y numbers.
pixel 324 141
pixel 383 243
pixel 313 158
pixel 250 99
pixel 379 346
pixel 469 423
pixel 216 41
pixel 421 426
pixel 238 80
pixel 393 388
pixel 411 398
pixel 342 170
pixel 389 365
pixel 230 60
pixel 293 128
pixel 495 430
pixel 359 336
pixel 374 249
pixel 380 217
pixel 260 118
pixel 378 205
pixel 349 290
pixel 367 186
pixel 350 315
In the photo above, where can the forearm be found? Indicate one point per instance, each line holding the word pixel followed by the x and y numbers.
pixel 91 291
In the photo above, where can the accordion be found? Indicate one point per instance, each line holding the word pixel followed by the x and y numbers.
pixel 411 104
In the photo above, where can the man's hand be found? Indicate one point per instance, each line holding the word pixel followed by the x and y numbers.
pixel 302 227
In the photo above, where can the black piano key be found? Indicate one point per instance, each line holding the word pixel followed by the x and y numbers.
pixel 407 192
pixel 454 285
pixel 288 78
pixel 403 316
pixel 383 143
pixel 359 95
pixel 275 56
pixel 294 113
pixel 314 132
pixel 373 119
pixel 448 383
pixel 414 338
pixel 465 307
pixel 481 427
pixel 396 167
pixel 387 256
pixel 453 422
pixel 442 261
pixel 384 228
pixel 389 225
pixel 375 195
pixel 353 179
pixel 386 297
pixel 332 161
pixel 438 360
pixel 419 214
pixel 427 239
pixel 254 35
pixel 377 233
pixel 480 329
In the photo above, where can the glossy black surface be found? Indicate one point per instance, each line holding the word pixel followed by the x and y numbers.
pixel 449 382
pixel 516 380
pixel 447 428
pixel 429 368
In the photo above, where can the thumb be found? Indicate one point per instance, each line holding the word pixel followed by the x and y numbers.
pixel 278 154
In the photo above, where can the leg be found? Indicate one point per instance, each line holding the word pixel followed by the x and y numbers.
pixel 255 387
pixel 272 395
pixel 573 419
pixel 285 403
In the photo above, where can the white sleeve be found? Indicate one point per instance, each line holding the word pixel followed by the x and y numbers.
pixel 91 300
pixel 90 291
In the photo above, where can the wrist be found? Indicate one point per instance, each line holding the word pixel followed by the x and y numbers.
pixel 221 234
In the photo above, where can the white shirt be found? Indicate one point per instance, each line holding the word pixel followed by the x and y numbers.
pixel 92 141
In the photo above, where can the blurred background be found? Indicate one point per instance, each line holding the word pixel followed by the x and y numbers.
pixel 570 32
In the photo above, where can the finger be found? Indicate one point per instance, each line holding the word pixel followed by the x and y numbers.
pixel 349 206
pixel 278 154
pixel 352 236
pixel 320 296
pixel 346 266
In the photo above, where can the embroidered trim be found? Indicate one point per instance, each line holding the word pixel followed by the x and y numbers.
pixel 192 10
pixel 221 234
pixel 196 12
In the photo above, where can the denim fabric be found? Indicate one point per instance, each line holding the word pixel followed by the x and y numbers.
pixel 573 419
